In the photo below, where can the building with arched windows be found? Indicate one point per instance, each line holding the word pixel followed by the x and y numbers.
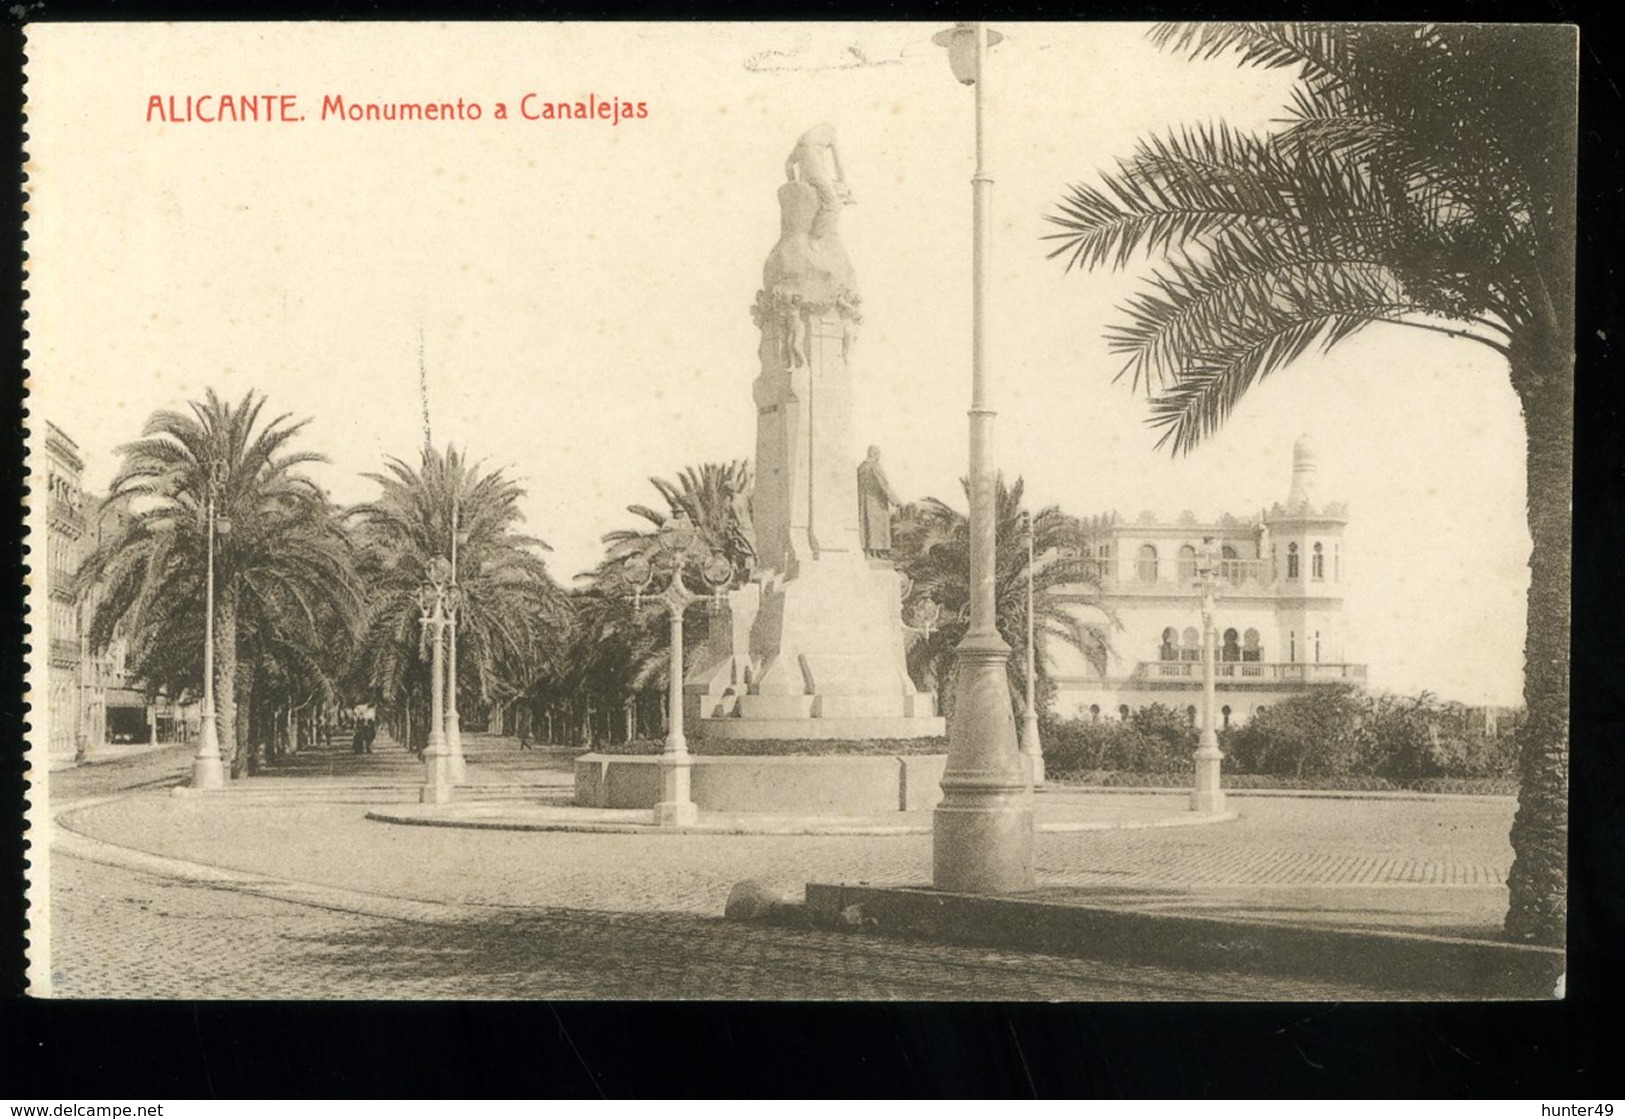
pixel 1278 612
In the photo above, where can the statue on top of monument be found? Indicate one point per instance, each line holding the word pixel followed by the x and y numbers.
pixel 815 159
pixel 875 501
pixel 808 273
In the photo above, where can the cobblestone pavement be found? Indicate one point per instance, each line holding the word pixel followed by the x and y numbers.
pixel 123 933
pixel 525 907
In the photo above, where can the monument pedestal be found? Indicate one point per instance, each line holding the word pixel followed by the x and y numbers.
pixel 813 646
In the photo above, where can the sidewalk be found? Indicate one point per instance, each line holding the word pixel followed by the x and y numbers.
pixel 1434 867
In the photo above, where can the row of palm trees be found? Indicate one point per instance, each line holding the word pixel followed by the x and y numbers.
pixel 317 607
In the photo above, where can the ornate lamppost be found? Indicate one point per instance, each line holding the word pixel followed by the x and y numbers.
pixel 208 769
pixel 1031 747
pixel 454 723
pixel 982 832
pixel 438 597
pixel 678 548
pixel 1208 796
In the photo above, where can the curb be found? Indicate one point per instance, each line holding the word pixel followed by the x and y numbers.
pixel 1441 966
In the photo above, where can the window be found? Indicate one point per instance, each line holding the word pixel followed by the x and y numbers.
pixel 1337 563
pixel 1317 563
pixel 1169 650
pixel 1232 646
pixel 1317 646
pixel 1094 712
pixel 1191 647
pixel 1250 650
pixel 1291 561
pixel 1122 712
pixel 1190 714
pixel 1225 711
pixel 1292 646
pixel 1145 570
pixel 1187 564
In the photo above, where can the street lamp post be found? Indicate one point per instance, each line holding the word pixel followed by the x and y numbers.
pixel 454 726
pixel 677 545
pixel 982 831
pixel 1031 747
pixel 1207 795
pixel 436 598
pixel 208 769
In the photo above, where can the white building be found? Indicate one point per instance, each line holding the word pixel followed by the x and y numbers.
pixel 1279 611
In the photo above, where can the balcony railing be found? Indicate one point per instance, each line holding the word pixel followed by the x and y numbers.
pixel 1248 671
pixel 1131 574
pixel 64 653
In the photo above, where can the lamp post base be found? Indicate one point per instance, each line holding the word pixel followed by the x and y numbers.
pixel 1030 748
pixel 676 808
pixel 1208 796
pixel 982 832
pixel 208 773
pixel 208 768
pixel 438 780
pixel 454 747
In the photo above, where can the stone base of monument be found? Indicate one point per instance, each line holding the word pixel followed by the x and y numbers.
pixel 816 656
pixel 799 784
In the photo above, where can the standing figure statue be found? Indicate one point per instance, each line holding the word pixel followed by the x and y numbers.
pixel 816 160
pixel 875 501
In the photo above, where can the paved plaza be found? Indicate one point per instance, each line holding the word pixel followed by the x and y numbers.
pixel 149 889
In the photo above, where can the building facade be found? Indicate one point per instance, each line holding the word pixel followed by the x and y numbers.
pixel 64 546
pixel 1278 611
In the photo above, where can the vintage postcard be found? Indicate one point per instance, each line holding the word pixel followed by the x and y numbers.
pixel 766 511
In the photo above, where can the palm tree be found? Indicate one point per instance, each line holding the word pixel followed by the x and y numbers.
pixel 932 546
pixel 705 494
pixel 620 654
pixel 1425 177
pixel 284 583
pixel 512 611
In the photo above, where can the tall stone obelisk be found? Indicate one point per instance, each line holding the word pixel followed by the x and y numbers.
pixel 813 646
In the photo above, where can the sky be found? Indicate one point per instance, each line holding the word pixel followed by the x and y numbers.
pixel 581 290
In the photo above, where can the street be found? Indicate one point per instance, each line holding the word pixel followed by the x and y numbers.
pixel 126 931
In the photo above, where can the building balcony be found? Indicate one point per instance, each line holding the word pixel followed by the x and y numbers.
pixel 65 514
pixel 1245 673
pixel 64 654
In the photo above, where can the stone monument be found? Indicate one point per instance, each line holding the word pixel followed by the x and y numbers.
pixel 812 646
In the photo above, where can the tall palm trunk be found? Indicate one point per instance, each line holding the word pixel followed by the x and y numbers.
pixel 225 668
pixel 1543 375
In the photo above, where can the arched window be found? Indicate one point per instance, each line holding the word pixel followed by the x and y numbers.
pixel 1250 649
pixel 1094 712
pixel 1191 646
pixel 1291 561
pixel 1229 567
pixel 1225 711
pixel 1145 569
pixel 1187 564
pixel 1232 646
pixel 1317 563
pixel 1122 712
pixel 1170 645
pixel 1190 714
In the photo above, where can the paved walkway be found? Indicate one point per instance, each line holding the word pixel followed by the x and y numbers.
pixel 1433 864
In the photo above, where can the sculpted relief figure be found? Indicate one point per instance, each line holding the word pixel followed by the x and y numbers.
pixel 875 501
